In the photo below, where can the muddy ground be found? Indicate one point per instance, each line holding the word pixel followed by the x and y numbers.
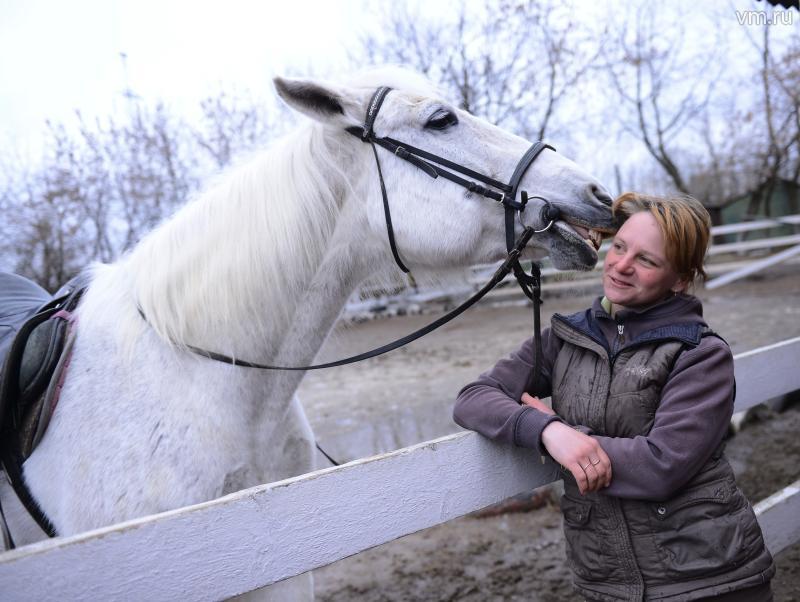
pixel 406 397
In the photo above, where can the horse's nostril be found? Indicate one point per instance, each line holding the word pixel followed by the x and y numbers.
pixel 600 193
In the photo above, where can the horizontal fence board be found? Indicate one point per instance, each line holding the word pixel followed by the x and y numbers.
pixel 261 535
pixel 751 245
pixel 762 224
pixel 752 268
pixel 767 372
pixel 778 517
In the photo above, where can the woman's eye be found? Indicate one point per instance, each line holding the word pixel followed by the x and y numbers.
pixel 441 120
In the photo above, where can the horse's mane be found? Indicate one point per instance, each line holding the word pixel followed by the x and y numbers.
pixel 266 220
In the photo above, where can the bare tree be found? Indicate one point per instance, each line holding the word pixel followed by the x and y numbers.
pixel 148 165
pixel 662 86
pixel 513 63
pixel 46 226
pixel 778 154
pixel 103 183
pixel 232 124
pixel 752 132
pixel 717 124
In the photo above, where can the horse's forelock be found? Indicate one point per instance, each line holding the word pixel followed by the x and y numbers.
pixel 394 76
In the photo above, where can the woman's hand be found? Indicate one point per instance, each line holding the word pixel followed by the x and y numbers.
pixel 578 453
pixel 536 403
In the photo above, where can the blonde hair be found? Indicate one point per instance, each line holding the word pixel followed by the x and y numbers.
pixel 684 223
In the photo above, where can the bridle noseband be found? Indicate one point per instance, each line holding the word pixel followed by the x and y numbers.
pixel 434 165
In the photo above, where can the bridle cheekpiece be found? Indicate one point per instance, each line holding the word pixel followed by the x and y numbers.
pixel 434 166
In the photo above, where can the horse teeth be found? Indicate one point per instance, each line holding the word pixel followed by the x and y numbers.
pixel 595 239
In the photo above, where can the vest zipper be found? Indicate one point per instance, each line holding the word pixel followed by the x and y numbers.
pixel 620 341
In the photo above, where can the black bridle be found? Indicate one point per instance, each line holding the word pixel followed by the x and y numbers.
pixel 433 165
pixel 430 164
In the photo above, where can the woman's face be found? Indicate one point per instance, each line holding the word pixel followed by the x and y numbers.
pixel 636 272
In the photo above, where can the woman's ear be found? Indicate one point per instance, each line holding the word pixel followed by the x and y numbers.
pixel 680 286
pixel 321 101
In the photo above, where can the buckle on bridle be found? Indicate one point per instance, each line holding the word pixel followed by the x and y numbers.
pixel 517 205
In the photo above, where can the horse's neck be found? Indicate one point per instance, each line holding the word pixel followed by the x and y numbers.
pixel 242 285
pixel 318 307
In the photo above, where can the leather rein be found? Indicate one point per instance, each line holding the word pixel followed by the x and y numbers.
pixel 434 165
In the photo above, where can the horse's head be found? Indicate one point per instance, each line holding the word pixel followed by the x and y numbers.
pixel 438 223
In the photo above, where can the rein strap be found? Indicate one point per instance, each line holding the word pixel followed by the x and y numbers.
pixel 434 166
pixel 510 264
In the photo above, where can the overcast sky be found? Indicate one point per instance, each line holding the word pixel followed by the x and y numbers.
pixel 60 55
pixel 57 56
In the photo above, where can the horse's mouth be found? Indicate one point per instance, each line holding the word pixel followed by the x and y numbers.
pixel 589 236
pixel 576 239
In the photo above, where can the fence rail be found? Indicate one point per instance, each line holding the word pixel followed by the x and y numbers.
pixel 261 535
pixel 761 224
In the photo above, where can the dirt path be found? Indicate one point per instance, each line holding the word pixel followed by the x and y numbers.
pixel 406 397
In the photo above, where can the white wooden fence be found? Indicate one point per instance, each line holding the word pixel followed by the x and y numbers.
pixel 261 535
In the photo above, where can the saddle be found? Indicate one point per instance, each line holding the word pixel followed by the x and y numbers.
pixel 36 341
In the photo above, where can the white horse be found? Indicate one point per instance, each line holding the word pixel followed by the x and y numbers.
pixel 258 267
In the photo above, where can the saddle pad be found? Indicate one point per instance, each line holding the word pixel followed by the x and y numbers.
pixel 13 403
pixel 32 376
pixel 32 363
pixel 40 408
pixel 41 353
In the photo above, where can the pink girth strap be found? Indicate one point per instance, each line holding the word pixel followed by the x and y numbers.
pixel 53 392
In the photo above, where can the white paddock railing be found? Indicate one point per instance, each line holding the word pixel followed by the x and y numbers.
pixel 258 536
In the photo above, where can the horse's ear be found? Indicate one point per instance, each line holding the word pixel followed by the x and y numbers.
pixel 318 100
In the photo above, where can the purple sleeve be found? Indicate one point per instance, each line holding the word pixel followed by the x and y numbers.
pixel 690 423
pixel 491 404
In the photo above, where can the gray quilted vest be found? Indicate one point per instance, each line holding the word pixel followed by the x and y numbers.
pixel 705 540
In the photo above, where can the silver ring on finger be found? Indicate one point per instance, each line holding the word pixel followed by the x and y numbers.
pixel 587 466
pixel 595 463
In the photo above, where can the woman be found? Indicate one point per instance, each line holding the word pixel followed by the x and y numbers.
pixel 642 394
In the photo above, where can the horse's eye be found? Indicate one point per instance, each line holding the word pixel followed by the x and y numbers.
pixel 441 120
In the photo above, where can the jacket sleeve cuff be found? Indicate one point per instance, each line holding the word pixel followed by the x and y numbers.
pixel 529 426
